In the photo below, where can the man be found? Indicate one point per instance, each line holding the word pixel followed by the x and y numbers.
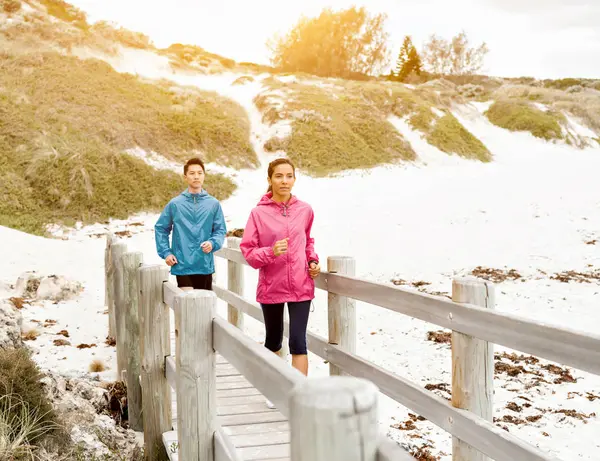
pixel 198 226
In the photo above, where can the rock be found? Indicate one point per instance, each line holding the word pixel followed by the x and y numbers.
pixel 57 288
pixel 10 326
pixel 81 405
pixel 27 285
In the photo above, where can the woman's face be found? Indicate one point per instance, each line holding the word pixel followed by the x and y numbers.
pixel 282 180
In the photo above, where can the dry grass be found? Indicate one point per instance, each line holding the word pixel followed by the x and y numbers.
pixel 70 120
pixel 584 105
pixel 97 366
pixel 30 335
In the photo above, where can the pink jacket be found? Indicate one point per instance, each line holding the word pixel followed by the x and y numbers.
pixel 283 278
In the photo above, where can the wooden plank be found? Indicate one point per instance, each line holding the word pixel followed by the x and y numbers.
pixel 267 416
pixel 472 365
pixel 261 439
pixel 234 385
pixel 170 292
pixel 155 345
pixel 224 394
pixel 577 349
pixel 270 375
pixel 196 376
pixel 117 251
pixel 334 418
pixel 108 284
pixel 389 450
pixel 131 263
pixel 171 371
pixel 227 370
pixel 242 400
pixel 231 255
pixel 483 435
pixel 341 311
pixel 243 409
pixel 267 452
pixel 233 379
pixel 257 428
pixel 235 283
pixel 224 448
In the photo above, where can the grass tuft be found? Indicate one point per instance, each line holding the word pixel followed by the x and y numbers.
pixel 521 116
pixel 97 366
pixel 24 404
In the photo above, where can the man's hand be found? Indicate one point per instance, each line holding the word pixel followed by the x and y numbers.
pixel 206 247
pixel 314 270
pixel 281 247
pixel 171 260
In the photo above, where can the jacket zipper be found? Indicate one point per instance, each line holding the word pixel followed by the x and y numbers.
pixel 287 224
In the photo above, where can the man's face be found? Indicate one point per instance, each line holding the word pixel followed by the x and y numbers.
pixel 195 177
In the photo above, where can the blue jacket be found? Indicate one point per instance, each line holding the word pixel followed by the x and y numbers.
pixel 194 219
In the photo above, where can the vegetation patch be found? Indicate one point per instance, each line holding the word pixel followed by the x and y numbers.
pixel 64 124
pixel 344 124
pixel 26 414
pixel 522 116
pixel 451 137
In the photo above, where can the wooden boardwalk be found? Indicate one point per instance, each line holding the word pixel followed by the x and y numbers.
pixel 257 432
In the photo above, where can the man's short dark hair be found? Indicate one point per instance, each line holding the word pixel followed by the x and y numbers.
pixel 193 161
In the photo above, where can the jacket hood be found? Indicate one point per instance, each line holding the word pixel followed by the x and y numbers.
pixel 267 199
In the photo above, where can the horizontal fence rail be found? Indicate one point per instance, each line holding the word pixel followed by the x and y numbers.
pixel 577 349
pixel 483 435
pixel 331 418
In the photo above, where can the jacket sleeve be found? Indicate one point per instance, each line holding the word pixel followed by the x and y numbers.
pixel 162 230
pixel 311 255
pixel 219 229
pixel 254 254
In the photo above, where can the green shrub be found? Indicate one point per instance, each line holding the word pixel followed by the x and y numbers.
pixel 11 6
pixel 64 124
pixel 520 116
pixel 451 137
pixel 23 401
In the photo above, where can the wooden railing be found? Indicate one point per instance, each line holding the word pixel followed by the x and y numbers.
pixel 331 419
pixel 468 418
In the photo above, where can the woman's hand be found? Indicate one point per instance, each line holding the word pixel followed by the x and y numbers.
pixel 281 247
pixel 314 270
pixel 171 260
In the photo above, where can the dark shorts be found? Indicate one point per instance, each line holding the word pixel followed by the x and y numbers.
pixel 273 316
pixel 196 281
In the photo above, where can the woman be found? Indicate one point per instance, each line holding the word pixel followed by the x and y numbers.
pixel 277 241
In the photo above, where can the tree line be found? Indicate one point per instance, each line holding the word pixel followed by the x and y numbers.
pixel 352 43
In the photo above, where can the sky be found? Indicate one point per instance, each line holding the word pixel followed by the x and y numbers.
pixel 537 38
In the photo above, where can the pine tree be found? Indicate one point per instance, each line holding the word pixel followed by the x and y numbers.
pixel 403 55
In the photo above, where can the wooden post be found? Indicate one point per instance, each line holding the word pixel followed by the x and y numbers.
pixel 334 419
pixel 341 310
pixel 472 365
pixel 118 250
pixel 108 285
pixel 196 376
pixel 155 345
pixel 235 283
pixel 131 264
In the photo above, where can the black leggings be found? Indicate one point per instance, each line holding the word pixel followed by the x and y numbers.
pixel 273 315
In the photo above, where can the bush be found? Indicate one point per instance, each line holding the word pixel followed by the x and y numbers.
pixel 11 6
pixel 71 120
pixel 521 116
pixel 66 12
pixel 24 402
pixel 451 137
